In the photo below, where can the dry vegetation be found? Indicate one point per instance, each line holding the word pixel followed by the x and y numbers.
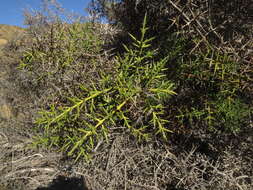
pixel 7 33
pixel 54 66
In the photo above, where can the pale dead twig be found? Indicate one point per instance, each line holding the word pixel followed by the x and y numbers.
pixel 51 170
pixel 125 176
pixel 147 187
pixel 25 158
pixel 109 160
pixel 4 136
pixel 159 166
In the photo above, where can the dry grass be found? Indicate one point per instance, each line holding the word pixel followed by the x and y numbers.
pixel 124 164
pixel 7 32
pixel 21 167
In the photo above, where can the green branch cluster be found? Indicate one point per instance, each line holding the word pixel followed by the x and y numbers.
pixel 215 85
pixel 133 96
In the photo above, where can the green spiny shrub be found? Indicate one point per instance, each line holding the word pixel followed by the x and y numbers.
pixel 132 95
pixel 212 93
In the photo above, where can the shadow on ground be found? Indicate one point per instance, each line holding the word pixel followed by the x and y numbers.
pixel 64 183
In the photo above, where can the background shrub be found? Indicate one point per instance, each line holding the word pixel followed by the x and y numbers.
pixel 61 56
pixel 196 36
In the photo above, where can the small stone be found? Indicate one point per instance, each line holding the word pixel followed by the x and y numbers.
pixel 5 112
pixel 3 41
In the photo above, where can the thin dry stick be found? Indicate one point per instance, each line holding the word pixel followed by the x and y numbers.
pixel 189 21
pixel 125 176
pixel 30 170
pixel 24 158
pixel 144 186
pixel 159 166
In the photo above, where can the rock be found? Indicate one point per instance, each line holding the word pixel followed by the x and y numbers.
pixel 5 112
pixel 3 74
pixel 3 42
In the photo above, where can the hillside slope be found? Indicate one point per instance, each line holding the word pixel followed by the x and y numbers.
pixel 8 32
